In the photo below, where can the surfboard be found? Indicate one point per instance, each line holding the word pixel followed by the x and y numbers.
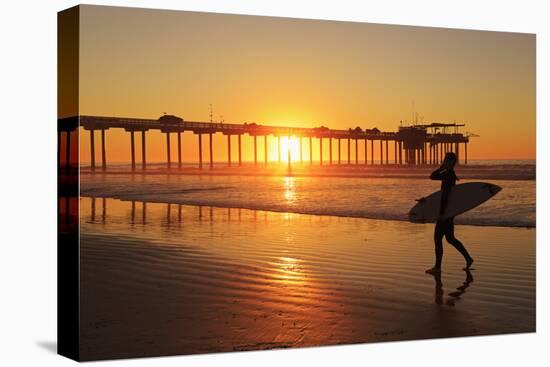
pixel 462 198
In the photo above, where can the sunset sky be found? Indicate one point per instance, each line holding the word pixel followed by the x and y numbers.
pixel 295 72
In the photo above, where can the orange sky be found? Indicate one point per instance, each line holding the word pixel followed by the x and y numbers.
pixel 141 63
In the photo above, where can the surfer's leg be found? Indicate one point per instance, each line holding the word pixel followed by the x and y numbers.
pixel 450 237
pixel 438 241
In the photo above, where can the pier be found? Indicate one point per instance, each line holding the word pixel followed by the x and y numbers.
pixel 413 145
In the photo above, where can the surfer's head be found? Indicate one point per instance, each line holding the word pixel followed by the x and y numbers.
pixel 450 160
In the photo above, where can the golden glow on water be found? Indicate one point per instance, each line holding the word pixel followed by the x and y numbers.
pixel 288 216
pixel 290 189
pixel 289 271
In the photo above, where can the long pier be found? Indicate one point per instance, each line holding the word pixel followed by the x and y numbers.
pixel 412 145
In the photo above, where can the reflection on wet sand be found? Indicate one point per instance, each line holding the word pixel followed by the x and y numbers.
pixel 161 279
pixel 173 213
pixel 455 295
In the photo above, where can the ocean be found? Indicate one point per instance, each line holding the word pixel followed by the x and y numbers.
pixel 386 196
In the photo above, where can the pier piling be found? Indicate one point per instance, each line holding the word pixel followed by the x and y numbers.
pixel 211 150
pixel 320 151
pixel 330 150
pixel 349 151
pixel 200 150
pixel 133 150
pixel 92 149
pixel 366 146
pixel 372 152
pixel 356 151
pixel 255 151
pixel 381 152
pixel 168 163
pixel 143 151
pixel 265 149
pixel 387 153
pixel 103 151
pixel 310 151
pixel 339 151
pixel 240 150
pixel 179 149
pixel 229 150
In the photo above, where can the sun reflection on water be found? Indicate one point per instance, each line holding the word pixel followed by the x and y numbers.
pixel 288 270
pixel 290 189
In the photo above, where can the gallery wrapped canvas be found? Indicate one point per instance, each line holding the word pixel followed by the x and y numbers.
pixel 235 183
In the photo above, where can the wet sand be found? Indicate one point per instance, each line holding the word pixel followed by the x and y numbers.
pixel 174 279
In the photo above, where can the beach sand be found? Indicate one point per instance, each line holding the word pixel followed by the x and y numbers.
pixel 174 279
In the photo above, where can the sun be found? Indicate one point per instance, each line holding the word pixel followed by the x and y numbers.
pixel 288 145
pixel 291 145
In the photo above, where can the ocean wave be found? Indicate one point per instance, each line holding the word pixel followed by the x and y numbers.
pixel 375 198
pixel 461 220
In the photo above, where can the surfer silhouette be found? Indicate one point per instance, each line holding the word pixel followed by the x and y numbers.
pixel 444 227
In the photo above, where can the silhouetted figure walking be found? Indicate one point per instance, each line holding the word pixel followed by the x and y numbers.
pixel 445 227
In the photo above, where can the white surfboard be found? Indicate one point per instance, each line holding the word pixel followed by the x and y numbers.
pixel 462 198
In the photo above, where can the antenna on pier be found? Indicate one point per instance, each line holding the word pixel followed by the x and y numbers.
pixel 211 114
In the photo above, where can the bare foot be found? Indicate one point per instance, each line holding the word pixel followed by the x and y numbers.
pixel 433 270
pixel 469 263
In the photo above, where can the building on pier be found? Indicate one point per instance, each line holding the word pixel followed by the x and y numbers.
pixel 428 143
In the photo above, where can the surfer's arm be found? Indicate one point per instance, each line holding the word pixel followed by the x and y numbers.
pixel 438 174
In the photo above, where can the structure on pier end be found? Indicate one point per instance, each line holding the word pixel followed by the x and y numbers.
pixel 428 143
pixel 424 144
